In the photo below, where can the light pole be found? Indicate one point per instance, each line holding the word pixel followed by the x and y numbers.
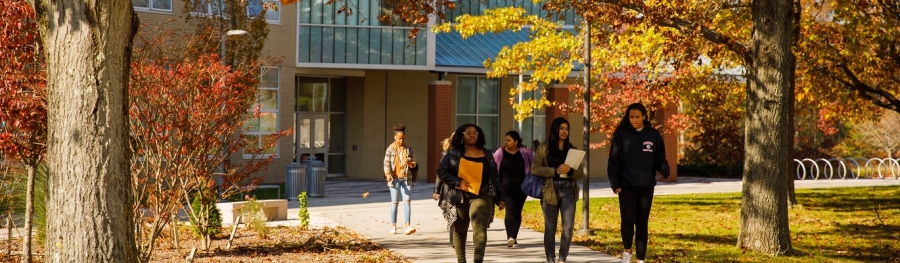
pixel 235 32
pixel 221 172
pixel 586 133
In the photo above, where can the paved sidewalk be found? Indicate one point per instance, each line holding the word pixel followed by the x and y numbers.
pixel 345 205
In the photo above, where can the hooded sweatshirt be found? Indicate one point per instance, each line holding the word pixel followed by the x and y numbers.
pixel 635 156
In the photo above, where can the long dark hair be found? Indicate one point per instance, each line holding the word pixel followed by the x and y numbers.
pixel 553 137
pixel 457 141
pixel 515 136
pixel 624 124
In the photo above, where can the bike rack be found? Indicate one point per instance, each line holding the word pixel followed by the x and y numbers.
pixel 854 167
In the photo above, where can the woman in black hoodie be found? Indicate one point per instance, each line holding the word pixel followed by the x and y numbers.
pixel 637 153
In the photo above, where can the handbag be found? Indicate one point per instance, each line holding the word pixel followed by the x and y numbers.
pixel 533 186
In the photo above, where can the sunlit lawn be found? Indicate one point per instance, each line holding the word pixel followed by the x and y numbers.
pixel 830 225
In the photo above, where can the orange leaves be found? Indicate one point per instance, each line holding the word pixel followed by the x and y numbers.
pixel 23 105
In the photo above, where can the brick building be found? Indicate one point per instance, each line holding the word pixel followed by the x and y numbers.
pixel 346 80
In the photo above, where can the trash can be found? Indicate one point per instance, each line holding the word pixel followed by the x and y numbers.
pixel 315 177
pixel 294 180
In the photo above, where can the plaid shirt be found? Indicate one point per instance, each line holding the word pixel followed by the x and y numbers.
pixel 390 155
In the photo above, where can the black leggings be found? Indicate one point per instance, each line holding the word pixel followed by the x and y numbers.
pixel 634 207
pixel 515 200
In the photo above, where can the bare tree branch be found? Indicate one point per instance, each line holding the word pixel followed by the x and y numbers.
pixel 879 97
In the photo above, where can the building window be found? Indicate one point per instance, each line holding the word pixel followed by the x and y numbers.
pixel 210 8
pixel 260 130
pixel 152 5
pixel 206 8
pixel 272 7
pixel 534 127
pixel 478 102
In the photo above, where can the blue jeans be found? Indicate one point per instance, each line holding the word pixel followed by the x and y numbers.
pixel 399 188
pixel 565 208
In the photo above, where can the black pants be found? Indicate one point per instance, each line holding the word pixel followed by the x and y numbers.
pixel 565 209
pixel 515 200
pixel 634 207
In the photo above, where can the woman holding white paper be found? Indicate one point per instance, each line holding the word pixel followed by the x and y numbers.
pixel 470 173
pixel 560 188
pixel 637 153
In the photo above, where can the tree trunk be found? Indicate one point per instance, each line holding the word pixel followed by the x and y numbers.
pixel 792 128
pixel 87 44
pixel 764 217
pixel 29 214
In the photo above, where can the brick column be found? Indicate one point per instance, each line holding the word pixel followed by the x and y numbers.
pixel 671 141
pixel 558 93
pixel 439 120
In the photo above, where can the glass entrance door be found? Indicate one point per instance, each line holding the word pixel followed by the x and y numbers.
pixel 312 140
pixel 321 123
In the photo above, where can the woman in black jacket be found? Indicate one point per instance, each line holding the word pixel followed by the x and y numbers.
pixel 637 153
pixel 474 197
pixel 440 190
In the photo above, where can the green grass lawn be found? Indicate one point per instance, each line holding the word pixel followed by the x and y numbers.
pixel 831 225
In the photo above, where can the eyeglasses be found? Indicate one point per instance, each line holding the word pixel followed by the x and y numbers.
pixel 470 133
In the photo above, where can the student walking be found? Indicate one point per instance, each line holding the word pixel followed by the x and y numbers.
pixel 514 162
pixel 637 153
pixel 560 188
pixel 475 188
pixel 399 171
pixel 440 191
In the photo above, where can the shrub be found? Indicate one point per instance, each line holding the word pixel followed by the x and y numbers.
pixel 255 218
pixel 304 211
pixel 215 218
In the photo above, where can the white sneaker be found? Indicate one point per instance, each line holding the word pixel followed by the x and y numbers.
pixel 510 242
pixel 410 230
pixel 626 257
pixel 393 230
pixel 640 261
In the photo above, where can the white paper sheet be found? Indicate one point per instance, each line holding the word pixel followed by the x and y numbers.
pixel 574 157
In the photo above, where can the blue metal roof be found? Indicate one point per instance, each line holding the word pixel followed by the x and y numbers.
pixel 451 50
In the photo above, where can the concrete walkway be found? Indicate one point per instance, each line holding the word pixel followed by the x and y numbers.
pixel 345 205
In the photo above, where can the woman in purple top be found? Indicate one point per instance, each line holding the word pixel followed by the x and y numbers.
pixel 513 163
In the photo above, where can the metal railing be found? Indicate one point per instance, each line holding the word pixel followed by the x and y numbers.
pixel 844 168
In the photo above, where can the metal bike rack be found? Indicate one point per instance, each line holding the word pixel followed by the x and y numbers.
pixel 854 167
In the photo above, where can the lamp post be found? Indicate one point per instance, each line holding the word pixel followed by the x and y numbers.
pixel 235 32
pixel 221 172
pixel 586 132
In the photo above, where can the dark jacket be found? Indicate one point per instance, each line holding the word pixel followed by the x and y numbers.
pixel 539 168
pixel 439 188
pixel 635 156
pixel 448 172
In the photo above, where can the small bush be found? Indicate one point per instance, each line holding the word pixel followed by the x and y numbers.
pixel 215 218
pixel 304 211
pixel 255 218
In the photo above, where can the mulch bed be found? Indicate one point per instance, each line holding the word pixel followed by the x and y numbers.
pixel 282 244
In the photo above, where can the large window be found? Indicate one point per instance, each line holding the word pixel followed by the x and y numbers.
pixel 272 7
pixel 210 8
pixel 259 130
pixel 359 37
pixel 477 101
pixel 534 127
pixel 152 5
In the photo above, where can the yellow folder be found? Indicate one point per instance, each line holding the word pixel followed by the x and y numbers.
pixel 471 172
